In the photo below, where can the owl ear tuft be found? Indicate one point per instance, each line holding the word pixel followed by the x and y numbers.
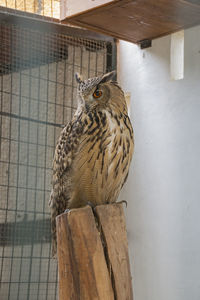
pixel 78 77
pixel 107 77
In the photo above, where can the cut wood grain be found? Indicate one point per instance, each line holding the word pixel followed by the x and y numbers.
pixel 83 272
pixel 93 260
pixel 112 221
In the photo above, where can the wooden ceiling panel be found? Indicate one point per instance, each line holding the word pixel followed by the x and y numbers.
pixel 139 20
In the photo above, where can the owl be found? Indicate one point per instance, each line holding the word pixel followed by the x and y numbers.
pixel 94 151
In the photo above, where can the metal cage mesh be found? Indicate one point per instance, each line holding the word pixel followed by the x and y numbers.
pixel 47 8
pixel 37 96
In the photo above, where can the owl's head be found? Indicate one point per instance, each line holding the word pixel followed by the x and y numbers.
pixel 99 91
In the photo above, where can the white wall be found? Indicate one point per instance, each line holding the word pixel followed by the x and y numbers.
pixel 163 189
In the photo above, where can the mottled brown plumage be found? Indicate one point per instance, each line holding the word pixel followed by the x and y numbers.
pixel 94 151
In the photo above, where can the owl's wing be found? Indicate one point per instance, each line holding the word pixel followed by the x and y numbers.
pixel 62 171
pixel 63 153
pixel 65 150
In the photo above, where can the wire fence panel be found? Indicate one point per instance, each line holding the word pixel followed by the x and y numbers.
pixel 37 96
pixel 48 8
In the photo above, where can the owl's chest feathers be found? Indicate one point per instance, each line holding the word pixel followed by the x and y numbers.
pixel 105 149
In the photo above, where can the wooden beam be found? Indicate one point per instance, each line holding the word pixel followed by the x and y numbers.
pixel 139 20
pixel 92 251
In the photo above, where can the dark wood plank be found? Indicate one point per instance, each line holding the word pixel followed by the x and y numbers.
pixel 139 20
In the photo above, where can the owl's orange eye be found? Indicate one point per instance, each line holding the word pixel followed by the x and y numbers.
pixel 97 94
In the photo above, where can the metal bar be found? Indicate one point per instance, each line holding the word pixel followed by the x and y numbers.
pixel 27 181
pixel 9 149
pixel 24 188
pixel 21 141
pixel 25 165
pixel 10 115
pixel 64 89
pixel 23 211
pixel 6 212
pixel 72 91
pixel 39 279
pixel 47 24
pixel 17 198
pixel 88 64
pixel 44 194
pixel 16 116
pixel 48 266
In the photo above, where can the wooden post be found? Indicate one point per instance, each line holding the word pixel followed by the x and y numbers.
pixel 93 260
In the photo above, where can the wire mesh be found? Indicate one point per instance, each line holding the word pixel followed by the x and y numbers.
pixel 37 96
pixel 47 8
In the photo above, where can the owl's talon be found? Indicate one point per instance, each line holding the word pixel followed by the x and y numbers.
pixel 67 210
pixel 123 201
pixel 91 205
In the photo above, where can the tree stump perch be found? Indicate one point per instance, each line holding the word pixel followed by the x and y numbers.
pixel 93 261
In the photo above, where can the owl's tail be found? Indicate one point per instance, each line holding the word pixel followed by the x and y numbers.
pixel 54 214
pixel 57 206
